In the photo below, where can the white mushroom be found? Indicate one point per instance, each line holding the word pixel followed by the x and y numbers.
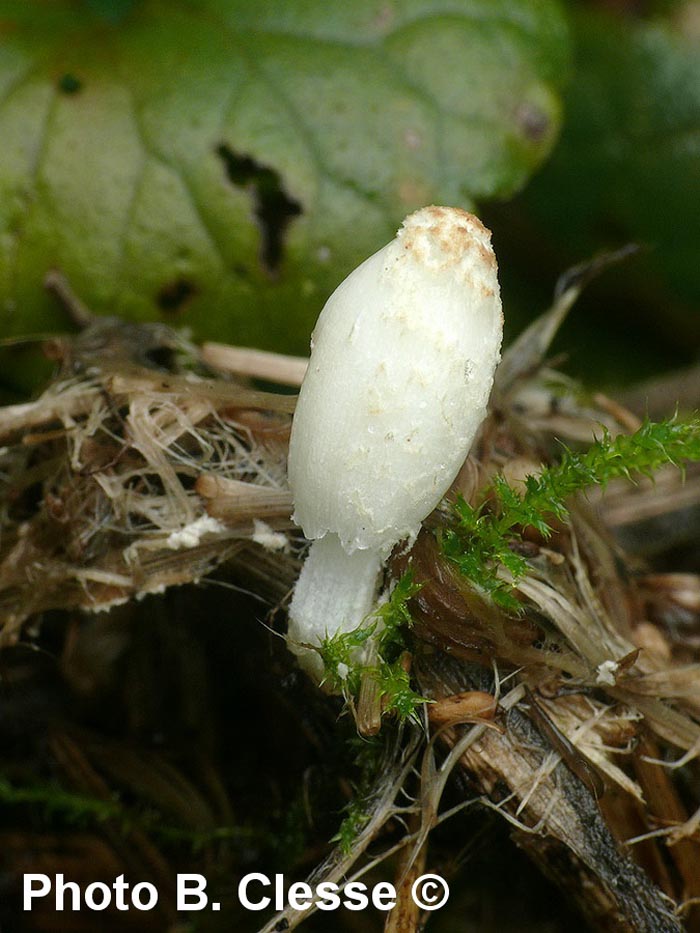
pixel 402 363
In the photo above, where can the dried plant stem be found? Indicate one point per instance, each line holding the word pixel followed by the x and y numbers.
pixel 274 367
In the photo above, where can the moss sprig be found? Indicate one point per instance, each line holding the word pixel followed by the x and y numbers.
pixel 73 809
pixel 369 756
pixel 485 537
pixel 389 623
pixel 354 821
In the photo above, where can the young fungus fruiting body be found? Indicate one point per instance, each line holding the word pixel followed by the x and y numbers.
pixel 402 363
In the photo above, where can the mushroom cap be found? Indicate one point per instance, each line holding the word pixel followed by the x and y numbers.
pixel 402 362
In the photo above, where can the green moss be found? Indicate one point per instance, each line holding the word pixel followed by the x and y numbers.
pixel 388 626
pixel 71 809
pixel 482 539
pixel 352 825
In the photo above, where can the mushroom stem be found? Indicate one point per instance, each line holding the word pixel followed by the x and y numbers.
pixel 334 593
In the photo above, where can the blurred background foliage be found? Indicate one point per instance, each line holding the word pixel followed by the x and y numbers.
pixel 222 164
pixel 625 169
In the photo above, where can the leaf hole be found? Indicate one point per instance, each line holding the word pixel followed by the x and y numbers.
pixel 160 358
pixel 174 297
pixel 69 84
pixel 273 207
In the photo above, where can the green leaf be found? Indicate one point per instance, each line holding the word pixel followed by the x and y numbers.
pixel 627 167
pixel 224 163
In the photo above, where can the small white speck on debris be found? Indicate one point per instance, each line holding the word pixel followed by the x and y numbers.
pixel 606 673
pixel 191 534
pixel 269 539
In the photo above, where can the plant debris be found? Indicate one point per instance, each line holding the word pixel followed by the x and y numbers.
pixel 569 705
pixel 125 478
